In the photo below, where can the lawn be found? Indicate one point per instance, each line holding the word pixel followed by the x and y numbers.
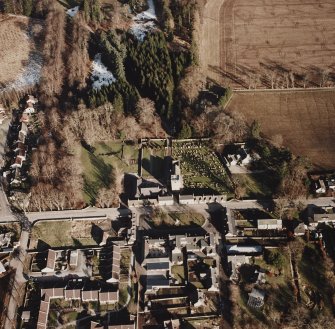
pixel 100 161
pixel 256 185
pixel 279 295
pixel 313 276
pixel 78 233
pixel 153 164
pixel 162 219
pixel 202 171
pixel 178 271
pixel 124 263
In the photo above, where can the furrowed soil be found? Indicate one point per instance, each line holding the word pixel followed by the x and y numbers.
pixel 269 43
pixel 19 46
pixel 305 120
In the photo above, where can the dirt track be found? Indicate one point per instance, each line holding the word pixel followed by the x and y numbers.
pixel 269 43
pixel 304 119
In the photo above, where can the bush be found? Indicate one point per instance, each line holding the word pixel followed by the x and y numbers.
pixel 274 258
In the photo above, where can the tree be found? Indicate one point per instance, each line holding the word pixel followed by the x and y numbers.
pixel 192 83
pixel 53 49
pixel 275 258
pixel 255 129
pixel 186 131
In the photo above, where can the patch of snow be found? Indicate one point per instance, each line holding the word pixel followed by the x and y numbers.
pixel 144 22
pixel 30 74
pixel 100 74
pixel 73 11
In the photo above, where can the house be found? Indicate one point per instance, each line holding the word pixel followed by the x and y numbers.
pixel 115 270
pixel 70 294
pixel 322 218
pixel 5 239
pixel 73 258
pixel 186 199
pixel 18 163
pixel 172 324
pixel 158 280
pixel 109 297
pixel 166 200
pixel 50 293
pixel 42 319
pixel 25 316
pixel 235 262
pixel 29 111
pixel 51 261
pixel 2 269
pixel 239 156
pixel 300 229
pixel 269 224
pixel 234 249
pixel 214 282
pixel 256 298
pixel 158 270
pixel 90 295
pixel 25 118
pixel 320 186
pixel 31 100
pixel 95 325
pixel 331 184
pixel 202 246
pixel 122 326
pixel 73 289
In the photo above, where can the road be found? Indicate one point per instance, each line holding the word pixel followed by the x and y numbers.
pixel 16 298
pixel 90 212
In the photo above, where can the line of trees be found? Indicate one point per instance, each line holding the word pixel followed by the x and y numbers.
pixel 34 8
pixel 54 46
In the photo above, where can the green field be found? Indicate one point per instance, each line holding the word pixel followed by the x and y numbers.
pixel 78 233
pixel 162 219
pixel 153 160
pixel 100 161
pixel 201 168
pixel 256 185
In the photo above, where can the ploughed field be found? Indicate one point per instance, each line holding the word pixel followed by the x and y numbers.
pixel 304 120
pixel 20 52
pixel 269 43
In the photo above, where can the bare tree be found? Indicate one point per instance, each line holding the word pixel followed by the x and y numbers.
pixel 192 83
pixel 54 46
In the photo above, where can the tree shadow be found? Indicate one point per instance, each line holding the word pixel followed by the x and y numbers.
pixel 97 233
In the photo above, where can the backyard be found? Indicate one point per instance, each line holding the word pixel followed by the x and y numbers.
pixel 101 162
pixel 254 185
pixel 203 172
pixel 153 164
pixel 187 218
pixel 278 288
pixel 67 233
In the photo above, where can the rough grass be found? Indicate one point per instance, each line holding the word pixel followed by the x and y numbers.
pixel 169 219
pixel 67 233
pixel 278 301
pixel 303 119
pixel 256 185
pixel 153 161
pixel 99 164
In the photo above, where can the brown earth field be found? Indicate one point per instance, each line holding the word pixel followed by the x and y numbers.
pixel 269 43
pixel 305 120
pixel 19 38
